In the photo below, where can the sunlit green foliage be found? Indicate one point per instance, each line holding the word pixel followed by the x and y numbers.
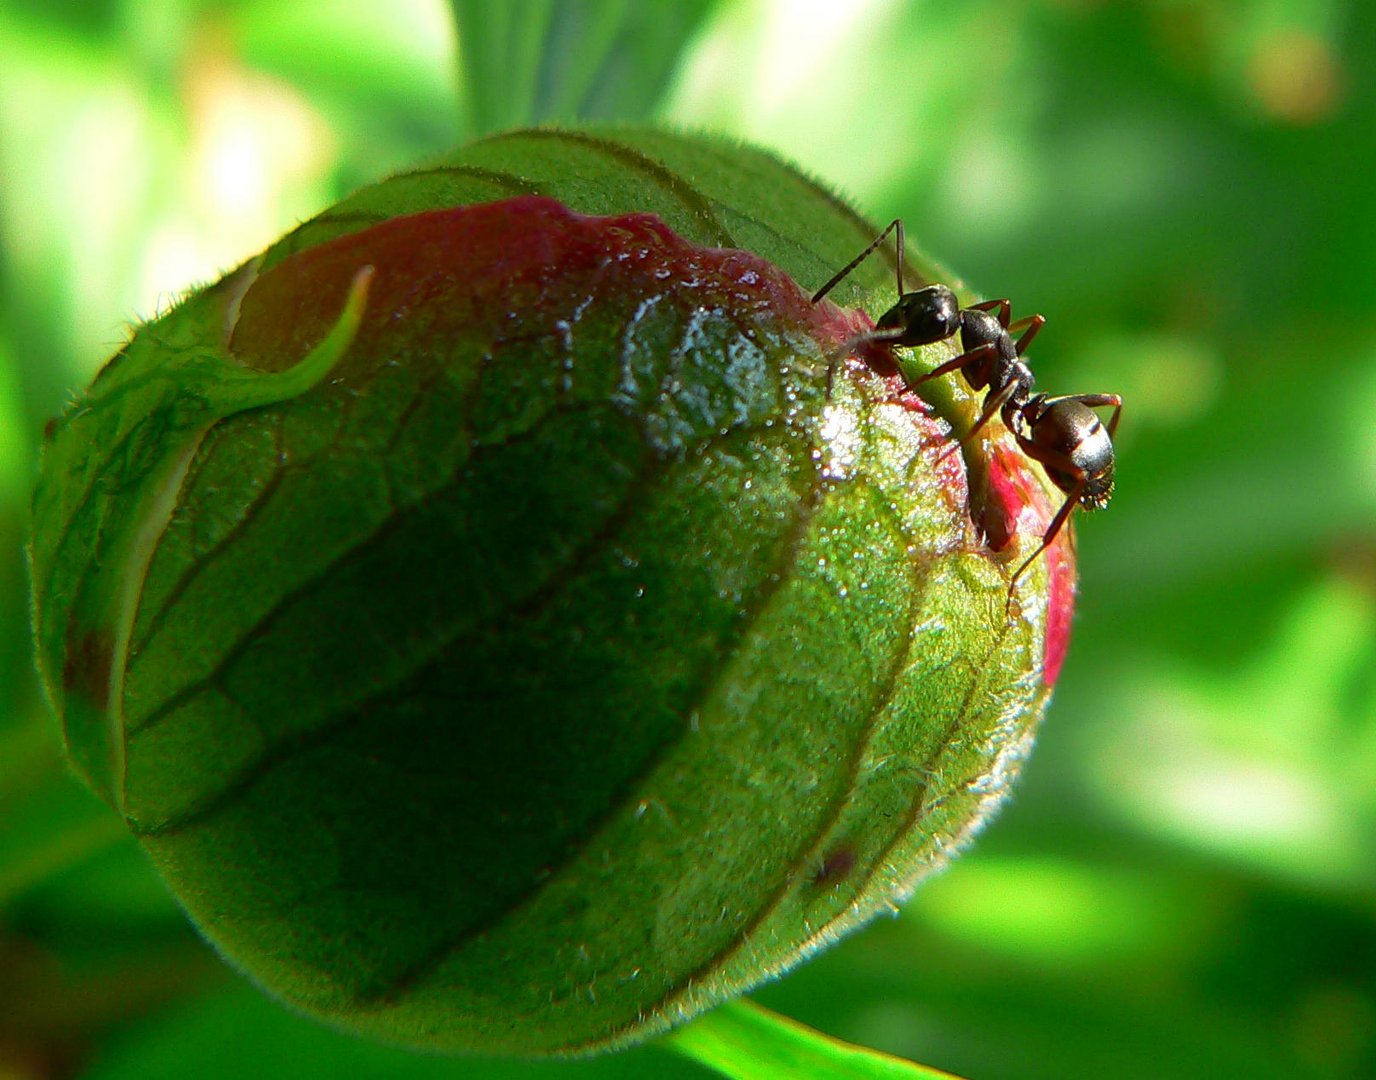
pixel 1184 885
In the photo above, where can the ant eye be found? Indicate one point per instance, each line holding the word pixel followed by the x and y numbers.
pixel 938 324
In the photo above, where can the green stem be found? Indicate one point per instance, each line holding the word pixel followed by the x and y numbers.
pixel 48 824
pixel 745 1041
pixel 79 841
pixel 29 756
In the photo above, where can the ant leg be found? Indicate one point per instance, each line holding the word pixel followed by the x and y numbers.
pixel 843 273
pixel 1005 308
pixel 1099 401
pixel 874 337
pixel 1095 401
pixel 1057 523
pixel 993 405
pixel 900 249
pixel 1033 324
pixel 1053 461
pixel 964 360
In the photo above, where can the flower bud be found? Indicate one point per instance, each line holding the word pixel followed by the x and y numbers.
pixel 507 624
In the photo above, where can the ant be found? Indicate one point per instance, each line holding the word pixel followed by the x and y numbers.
pixel 1063 434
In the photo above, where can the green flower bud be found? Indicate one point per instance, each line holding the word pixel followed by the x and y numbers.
pixel 495 631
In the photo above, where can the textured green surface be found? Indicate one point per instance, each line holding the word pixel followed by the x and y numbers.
pixel 565 662
pixel 126 449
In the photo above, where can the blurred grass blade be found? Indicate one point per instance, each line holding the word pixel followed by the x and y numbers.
pixel 745 1041
pixel 29 756
pixel 55 826
pixel 531 61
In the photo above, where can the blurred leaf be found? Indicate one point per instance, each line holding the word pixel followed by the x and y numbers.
pixel 1267 763
pixel 1114 166
pixel 48 822
pixel 15 452
pixel 535 61
pixel 996 1010
pixel 50 1009
pixel 382 73
pixel 239 1032
pixel 744 1041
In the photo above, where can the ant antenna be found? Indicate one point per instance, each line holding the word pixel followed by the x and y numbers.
pixel 844 272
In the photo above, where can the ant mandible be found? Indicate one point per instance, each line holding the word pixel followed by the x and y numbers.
pixel 1062 433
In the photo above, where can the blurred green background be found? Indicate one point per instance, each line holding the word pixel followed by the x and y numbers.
pixel 1186 883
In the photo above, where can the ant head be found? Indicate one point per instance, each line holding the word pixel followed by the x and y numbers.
pixel 927 315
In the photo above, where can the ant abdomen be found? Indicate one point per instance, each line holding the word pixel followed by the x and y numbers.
pixel 1068 430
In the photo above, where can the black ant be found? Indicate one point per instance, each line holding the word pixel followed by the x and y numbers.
pixel 1062 433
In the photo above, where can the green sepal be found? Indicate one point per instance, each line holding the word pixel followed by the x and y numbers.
pixel 122 451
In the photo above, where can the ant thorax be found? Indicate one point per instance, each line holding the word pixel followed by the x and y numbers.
pixel 1002 364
